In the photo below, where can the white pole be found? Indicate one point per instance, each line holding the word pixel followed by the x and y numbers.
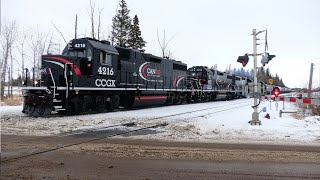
pixel 255 115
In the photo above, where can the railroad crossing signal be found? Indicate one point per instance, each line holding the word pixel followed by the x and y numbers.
pixel 266 58
pixel 243 60
pixel 276 91
pixel 270 81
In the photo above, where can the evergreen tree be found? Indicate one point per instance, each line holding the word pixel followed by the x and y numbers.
pixel 121 23
pixel 263 75
pixel 135 40
pixel 268 72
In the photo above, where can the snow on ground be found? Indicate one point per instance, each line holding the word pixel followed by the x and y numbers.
pixel 222 121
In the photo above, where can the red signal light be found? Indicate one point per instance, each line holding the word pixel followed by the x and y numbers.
pixel 243 60
pixel 276 91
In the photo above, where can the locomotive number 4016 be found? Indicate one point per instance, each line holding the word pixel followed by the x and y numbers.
pixel 105 71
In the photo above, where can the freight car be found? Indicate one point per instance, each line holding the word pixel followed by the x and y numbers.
pixel 92 75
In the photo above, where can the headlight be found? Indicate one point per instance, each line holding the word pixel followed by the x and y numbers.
pixel 36 82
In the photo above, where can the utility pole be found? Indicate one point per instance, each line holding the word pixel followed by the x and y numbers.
pixel 310 81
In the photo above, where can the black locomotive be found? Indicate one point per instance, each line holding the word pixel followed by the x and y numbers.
pixel 93 75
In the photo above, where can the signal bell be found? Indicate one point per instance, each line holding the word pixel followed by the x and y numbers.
pixel 243 60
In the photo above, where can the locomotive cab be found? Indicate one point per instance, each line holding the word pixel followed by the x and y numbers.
pixel 204 74
pixel 97 62
pixel 83 62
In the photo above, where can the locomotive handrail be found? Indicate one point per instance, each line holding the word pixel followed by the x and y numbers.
pixel 26 77
pixel 54 83
pixel 66 78
pixel 33 77
pixel 126 80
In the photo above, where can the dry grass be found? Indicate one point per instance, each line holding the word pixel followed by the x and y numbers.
pixel 297 116
pixel 307 110
pixel 315 110
pixel 14 101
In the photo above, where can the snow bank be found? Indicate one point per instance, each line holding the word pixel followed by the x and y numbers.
pixel 223 122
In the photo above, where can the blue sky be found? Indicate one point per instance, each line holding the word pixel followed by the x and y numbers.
pixel 207 32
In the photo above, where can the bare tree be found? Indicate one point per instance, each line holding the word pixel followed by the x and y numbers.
pixel 59 32
pixel 10 77
pixel 53 47
pixel 76 27
pixel 92 9
pixel 165 50
pixel 37 42
pixel 99 23
pixel 8 38
pixel 21 51
pixel 92 19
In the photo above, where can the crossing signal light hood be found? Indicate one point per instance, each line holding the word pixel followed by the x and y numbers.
pixel 266 58
pixel 243 60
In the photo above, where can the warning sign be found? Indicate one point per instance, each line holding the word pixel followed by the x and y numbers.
pixel 270 81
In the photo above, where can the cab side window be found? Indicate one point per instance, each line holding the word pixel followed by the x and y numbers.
pixel 89 54
pixel 105 58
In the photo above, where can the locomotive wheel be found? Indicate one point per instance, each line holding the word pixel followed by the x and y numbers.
pixel 188 98
pixel 40 109
pixel 101 107
pixel 184 100
pixel 25 106
pixel 126 100
pixel 109 107
pixel 37 110
pixel 30 110
pixel 101 104
pixel 74 108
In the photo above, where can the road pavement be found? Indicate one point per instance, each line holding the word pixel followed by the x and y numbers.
pixel 123 158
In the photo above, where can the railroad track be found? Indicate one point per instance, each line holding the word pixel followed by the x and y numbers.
pixel 156 125
pixel 81 142
pixel 199 110
pixel 227 109
pixel 69 133
pixel 130 124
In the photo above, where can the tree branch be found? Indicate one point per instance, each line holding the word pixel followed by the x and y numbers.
pixel 59 32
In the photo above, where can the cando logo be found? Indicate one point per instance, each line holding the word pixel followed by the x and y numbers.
pixel 153 71
pixel 105 82
pixel 149 72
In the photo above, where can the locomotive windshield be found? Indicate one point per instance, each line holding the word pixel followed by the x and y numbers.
pixel 195 72
pixel 76 53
